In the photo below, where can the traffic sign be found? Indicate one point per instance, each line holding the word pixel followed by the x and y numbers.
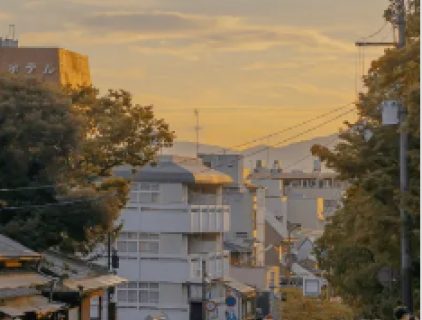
pixel 230 301
pixel 210 306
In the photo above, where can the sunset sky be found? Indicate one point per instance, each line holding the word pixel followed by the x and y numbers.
pixel 251 67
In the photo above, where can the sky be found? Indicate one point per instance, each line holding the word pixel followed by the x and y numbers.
pixel 251 67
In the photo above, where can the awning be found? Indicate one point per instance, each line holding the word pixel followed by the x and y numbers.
pixel 21 280
pixel 37 304
pixel 95 283
pixel 238 286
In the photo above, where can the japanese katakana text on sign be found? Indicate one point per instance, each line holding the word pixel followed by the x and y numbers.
pixel 30 67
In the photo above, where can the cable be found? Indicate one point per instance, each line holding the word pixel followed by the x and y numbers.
pixel 375 33
pixel 281 142
pixel 291 127
pixel 223 149
pixel 54 204
pixel 310 155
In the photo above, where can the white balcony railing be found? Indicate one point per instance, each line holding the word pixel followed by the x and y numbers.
pixel 176 218
pixel 217 265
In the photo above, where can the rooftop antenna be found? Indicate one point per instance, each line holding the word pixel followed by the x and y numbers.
pixel 11 34
pixel 197 128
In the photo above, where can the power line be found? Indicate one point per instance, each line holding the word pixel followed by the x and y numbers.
pixel 281 142
pixel 61 203
pixel 222 149
pixel 291 127
pixel 375 33
pixel 310 155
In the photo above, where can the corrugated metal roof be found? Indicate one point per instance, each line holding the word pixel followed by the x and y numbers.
pixel 37 304
pixel 95 283
pixel 176 169
pixel 10 249
pixel 238 286
pixel 21 280
pixel 18 292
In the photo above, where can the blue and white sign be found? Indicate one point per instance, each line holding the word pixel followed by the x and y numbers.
pixel 230 301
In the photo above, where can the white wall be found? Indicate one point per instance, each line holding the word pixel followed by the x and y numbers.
pixel 241 213
pixel 171 293
pixel 305 212
pixel 164 270
pixel 173 243
pixel 204 243
pixel 171 193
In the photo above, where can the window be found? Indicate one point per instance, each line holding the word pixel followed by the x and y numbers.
pixel 330 204
pixel 207 164
pixel 149 243
pixel 241 235
pixel 127 242
pixel 145 193
pixel 149 292
pixel 128 292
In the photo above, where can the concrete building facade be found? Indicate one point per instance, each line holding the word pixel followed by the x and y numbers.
pixel 173 222
pixel 53 65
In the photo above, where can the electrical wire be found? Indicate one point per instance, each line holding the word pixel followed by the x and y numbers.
pixel 280 142
pixel 223 149
pixel 375 33
pixel 56 204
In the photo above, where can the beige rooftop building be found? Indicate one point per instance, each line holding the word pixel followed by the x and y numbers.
pixel 54 65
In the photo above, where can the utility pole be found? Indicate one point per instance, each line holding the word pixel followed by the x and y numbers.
pixel 204 289
pixel 109 316
pixel 407 293
pixel 406 279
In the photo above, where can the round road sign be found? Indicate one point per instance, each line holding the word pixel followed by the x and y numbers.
pixel 230 301
pixel 210 306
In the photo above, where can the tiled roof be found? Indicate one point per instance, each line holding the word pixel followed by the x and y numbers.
pixel 175 169
pixel 21 280
pixel 10 249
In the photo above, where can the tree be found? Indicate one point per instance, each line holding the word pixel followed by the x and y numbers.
pixel 298 307
pixel 364 234
pixel 68 140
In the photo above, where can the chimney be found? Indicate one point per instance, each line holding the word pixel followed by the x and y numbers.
pixel 276 167
pixel 260 164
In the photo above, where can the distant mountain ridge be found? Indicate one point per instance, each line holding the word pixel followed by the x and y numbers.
pixel 290 155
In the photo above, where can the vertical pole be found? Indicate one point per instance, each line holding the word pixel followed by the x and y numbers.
pixel 100 308
pixel 197 131
pixel 407 294
pixel 289 253
pixel 204 289
pixel 109 316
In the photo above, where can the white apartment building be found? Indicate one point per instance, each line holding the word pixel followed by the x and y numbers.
pixel 173 221
pixel 246 236
pixel 306 198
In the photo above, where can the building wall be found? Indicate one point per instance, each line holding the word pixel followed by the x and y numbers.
pixel 53 65
pixel 241 214
pixel 305 211
pixel 230 164
pixel 272 237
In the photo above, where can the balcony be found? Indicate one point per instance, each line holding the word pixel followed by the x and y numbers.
pixel 217 265
pixel 176 218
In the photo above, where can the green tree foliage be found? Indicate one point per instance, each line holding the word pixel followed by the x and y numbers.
pixel 298 307
pixel 364 234
pixel 69 139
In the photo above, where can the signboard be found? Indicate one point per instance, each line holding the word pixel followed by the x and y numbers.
pixel 230 301
pixel 311 287
pixel 210 306
pixel 269 317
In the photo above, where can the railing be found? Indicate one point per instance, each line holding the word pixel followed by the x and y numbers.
pixel 217 265
pixel 195 198
pixel 176 218
pixel 210 218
